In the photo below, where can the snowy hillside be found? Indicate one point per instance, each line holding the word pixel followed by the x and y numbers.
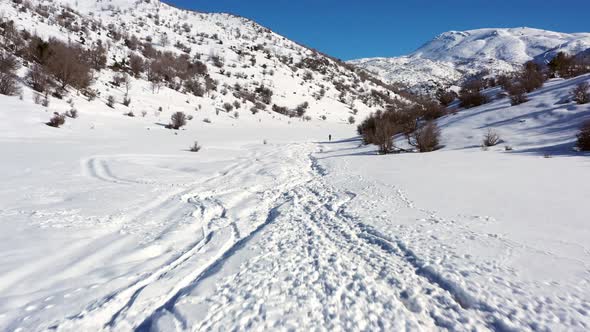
pixel 240 58
pixel 265 212
pixel 456 54
pixel 107 226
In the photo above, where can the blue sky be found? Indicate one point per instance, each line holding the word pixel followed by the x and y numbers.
pixel 355 29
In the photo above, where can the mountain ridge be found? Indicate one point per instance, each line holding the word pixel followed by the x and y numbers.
pixel 454 55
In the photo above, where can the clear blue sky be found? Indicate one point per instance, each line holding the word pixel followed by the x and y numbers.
pixel 350 29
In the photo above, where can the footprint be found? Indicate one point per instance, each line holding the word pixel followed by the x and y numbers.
pixel 31 308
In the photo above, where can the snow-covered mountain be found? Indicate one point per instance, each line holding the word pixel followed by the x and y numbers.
pixel 455 55
pixel 240 57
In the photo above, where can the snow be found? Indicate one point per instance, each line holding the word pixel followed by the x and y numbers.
pixel 109 223
pixel 121 228
pixel 453 55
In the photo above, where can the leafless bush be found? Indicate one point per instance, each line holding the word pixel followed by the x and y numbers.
pixel 429 110
pixel 301 109
pixel 531 77
pixel 264 93
pixel 280 109
pixel 351 119
pixel 38 79
pixel 8 79
pixel 45 101
pixel 581 93
pixel 445 98
pixel 380 127
pixel 195 87
pixel 136 64
pixel 426 138
pixel 69 65
pixel 517 95
pixel 206 120
pixel 178 120
pixel 228 107
pixel 491 138
pixel 584 137
pixel 111 101
pixel 126 101
pixel 57 120
pixel 73 113
pixel 216 60
pixel 195 147
pixel 471 95
pixel 566 66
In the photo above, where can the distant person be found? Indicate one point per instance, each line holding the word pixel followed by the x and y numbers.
pixel 330 137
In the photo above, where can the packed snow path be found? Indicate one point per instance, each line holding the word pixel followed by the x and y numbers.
pixel 312 265
pixel 268 242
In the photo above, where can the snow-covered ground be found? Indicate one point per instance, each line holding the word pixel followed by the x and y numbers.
pixel 109 223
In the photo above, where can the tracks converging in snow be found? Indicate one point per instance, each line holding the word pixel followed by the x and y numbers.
pixel 314 265
pixel 268 243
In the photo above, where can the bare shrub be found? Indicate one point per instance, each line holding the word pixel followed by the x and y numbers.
pixel 471 95
pixel 429 110
pixel 426 138
pixel 567 66
pixel 68 64
pixel 178 120
pixel 206 120
pixel 280 109
pixel 8 79
pixel 351 119
pixel 57 120
pixel 194 87
pixel 228 107
pixel 491 138
pixel 126 101
pixel 531 77
pixel 216 60
pixel 195 147
pixel 136 64
pixel 584 137
pixel 45 101
pixel 38 79
pixel 301 109
pixel 380 127
pixel 517 95
pixel 264 93
pixel 581 93
pixel 73 113
pixel 445 98
pixel 111 101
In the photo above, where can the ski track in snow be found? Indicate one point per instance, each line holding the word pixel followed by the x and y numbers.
pixel 314 264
